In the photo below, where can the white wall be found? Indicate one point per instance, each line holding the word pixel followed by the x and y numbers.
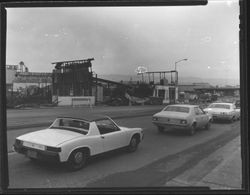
pixel 10 76
pixel 166 99
pixel 77 100
pixel 16 86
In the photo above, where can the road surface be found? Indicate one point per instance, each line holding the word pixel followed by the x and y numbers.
pixel 159 158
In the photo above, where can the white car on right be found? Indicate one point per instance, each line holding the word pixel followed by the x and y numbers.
pixel 223 111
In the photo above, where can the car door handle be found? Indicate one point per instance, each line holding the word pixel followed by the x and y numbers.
pixel 102 137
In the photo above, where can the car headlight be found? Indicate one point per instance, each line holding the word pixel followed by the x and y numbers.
pixel 183 121
pixel 53 149
pixel 155 119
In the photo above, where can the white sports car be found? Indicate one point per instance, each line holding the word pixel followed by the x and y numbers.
pixel 223 111
pixel 74 140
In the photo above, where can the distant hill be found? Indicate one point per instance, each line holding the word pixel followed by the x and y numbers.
pixel 183 80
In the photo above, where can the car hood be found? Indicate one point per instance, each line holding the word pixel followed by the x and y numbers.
pixel 176 115
pixel 49 137
pixel 216 110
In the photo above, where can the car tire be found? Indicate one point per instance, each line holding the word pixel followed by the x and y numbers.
pixel 208 125
pixel 160 129
pixel 232 119
pixel 77 159
pixel 33 159
pixel 133 144
pixel 192 130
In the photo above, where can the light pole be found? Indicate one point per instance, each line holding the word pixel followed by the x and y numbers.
pixel 176 73
pixel 179 61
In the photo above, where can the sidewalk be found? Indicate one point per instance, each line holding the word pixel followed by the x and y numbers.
pixel 227 175
pixel 220 171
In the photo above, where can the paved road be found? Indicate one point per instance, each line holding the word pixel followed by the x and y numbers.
pixel 158 158
pixel 26 118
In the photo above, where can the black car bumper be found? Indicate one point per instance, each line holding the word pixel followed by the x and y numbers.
pixel 37 154
pixel 172 126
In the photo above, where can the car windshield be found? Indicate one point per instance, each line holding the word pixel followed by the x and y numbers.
pixel 224 106
pixel 177 109
pixel 75 125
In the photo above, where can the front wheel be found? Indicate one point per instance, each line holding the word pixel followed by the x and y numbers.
pixel 133 145
pixel 77 160
pixel 160 129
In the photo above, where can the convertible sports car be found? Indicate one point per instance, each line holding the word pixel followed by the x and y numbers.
pixel 223 111
pixel 74 140
pixel 181 116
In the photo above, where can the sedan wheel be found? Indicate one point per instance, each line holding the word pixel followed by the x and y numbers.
pixel 77 160
pixel 160 129
pixel 133 144
pixel 207 127
pixel 192 130
pixel 33 159
pixel 232 119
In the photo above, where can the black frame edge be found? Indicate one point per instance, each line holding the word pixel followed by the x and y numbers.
pixel 4 180
pixel 105 3
pixel 244 92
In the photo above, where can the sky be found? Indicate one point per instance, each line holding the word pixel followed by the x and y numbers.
pixel 120 39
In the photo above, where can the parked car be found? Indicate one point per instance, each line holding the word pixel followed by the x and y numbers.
pixel 223 111
pixel 182 116
pixel 74 140
pixel 237 103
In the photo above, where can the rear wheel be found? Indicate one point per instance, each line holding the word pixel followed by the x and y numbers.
pixel 160 129
pixel 208 125
pixel 192 130
pixel 133 144
pixel 232 119
pixel 33 159
pixel 77 159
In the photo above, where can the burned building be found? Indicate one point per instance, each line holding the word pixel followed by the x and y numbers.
pixel 72 83
pixel 72 78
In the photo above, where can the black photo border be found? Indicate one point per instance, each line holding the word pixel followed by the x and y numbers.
pixel 244 94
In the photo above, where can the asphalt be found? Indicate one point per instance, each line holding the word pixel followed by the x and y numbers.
pixel 221 170
pixel 215 164
pixel 19 118
pixel 228 174
pixel 218 167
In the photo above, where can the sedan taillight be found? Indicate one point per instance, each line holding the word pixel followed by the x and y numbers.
pixel 183 121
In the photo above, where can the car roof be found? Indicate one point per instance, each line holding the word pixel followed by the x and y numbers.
pixel 184 105
pixel 226 103
pixel 88 118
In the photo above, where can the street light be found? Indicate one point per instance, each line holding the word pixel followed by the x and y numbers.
pixel 180 61
pixel 176 73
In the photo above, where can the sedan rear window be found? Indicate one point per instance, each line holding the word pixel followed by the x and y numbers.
pixel 177 109
pixel 225 106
